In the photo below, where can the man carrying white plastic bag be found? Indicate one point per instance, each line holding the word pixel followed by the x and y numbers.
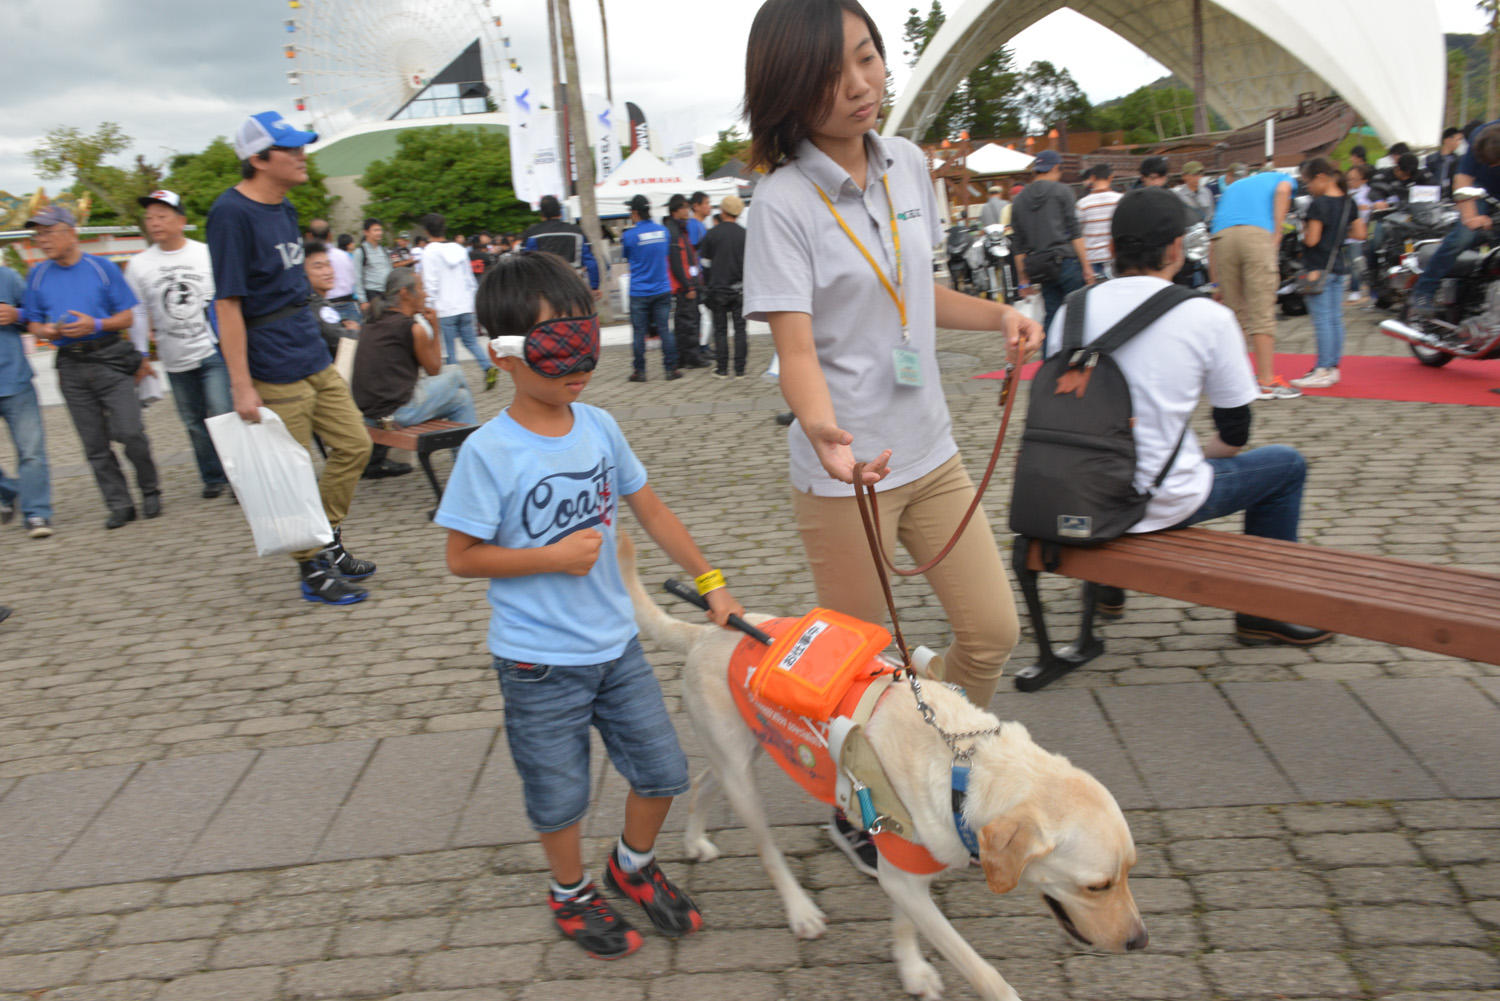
pixel 273 481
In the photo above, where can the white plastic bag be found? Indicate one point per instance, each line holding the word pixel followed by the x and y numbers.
pixel 273 480
pixel 1031 306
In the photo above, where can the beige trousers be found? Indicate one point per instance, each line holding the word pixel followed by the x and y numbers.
pixel 971 582
pixel 321 403
pixel 1245 266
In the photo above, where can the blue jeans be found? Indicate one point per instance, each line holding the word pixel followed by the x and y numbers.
pixel 1069 280
pixel 1459 239
pixel 548 711
pixel 444 396
pixel 348 310
pixel 32 484
pixel 201 393
pixel 1265 483
pixel 462 326
pixel 648 312
pixel 1353 254
pixel 1327 310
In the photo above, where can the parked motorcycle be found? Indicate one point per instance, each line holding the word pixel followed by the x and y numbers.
pixel 1401 229
pixel 1288 263
pixel 959 272
pixel 1195 243
pixel 1467 321
pixel 999 265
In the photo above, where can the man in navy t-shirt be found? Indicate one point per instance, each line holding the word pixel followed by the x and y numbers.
pixel 1480 167
pixel 271 340
pixel 645 246
pixel 81 304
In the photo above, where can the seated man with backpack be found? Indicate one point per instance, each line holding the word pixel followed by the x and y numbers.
pixel 1142 352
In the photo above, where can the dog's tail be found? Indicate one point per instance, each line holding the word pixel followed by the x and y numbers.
pixel 655 624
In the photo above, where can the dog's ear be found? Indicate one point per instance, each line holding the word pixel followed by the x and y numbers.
pixel 1006 847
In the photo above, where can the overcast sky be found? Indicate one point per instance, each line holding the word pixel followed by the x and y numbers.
pixel 176 74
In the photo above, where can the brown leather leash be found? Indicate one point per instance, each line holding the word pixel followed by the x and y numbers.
pixel 869 513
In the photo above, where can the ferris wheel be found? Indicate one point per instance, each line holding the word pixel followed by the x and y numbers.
pixel 350 63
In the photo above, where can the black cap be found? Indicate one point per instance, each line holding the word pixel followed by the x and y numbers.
pixel 1147 218
pixel 641 206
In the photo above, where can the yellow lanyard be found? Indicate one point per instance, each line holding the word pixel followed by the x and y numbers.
pixel 897 293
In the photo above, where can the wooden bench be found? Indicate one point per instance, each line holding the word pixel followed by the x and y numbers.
pixel 425 439
pixel 1442 609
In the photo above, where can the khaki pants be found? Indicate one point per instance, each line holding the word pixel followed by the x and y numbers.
pixel 1246 268
pixel 971 582
pixel 321 404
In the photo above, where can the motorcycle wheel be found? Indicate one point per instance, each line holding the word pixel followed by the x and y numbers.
pixel 1427 356
pixel 1292 304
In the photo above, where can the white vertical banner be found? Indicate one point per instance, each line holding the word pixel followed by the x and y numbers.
pixel 520 101
pixel 546 158
pixel 683 158
pixel 601 121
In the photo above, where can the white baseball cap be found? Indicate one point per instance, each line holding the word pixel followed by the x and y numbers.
pixel 261 132
pixel 163 197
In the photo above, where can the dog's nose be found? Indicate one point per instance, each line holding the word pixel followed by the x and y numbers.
pixel 1137 941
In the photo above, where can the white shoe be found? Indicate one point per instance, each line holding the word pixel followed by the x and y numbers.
pixel 1354 297
pixel 1318 378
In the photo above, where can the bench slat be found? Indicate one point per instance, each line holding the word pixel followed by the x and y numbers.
pixel 1386 609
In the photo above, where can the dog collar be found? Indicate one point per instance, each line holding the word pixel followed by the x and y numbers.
pixel 960 787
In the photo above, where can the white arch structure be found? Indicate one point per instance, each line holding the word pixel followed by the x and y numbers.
pixel 1384 57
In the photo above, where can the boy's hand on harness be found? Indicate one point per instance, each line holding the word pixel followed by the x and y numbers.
pixel 577 553
pixel 721 605
pixel 832 445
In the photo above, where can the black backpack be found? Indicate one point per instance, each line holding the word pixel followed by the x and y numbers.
pixel 1075 476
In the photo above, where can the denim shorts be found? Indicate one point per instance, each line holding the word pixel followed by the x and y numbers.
pixel 548 711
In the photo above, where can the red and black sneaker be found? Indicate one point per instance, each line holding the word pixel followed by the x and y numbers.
pixel 672 912
pixel 589 920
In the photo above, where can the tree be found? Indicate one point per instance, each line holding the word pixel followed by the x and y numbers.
pixel 67 151
pixel 462 174
pixel 1050 96
pixel 731 144
pixel 202 177
pixel 1151 113
pixel 1491 10
pixel 986 103
pixel 917 33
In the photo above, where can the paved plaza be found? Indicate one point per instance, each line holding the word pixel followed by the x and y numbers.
pixel 210 788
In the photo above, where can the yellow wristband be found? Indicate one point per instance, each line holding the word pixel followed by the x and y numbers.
pixel 711 581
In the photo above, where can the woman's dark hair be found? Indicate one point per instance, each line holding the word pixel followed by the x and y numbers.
pixel 511 293
pixel 792 67
pixel 1320 166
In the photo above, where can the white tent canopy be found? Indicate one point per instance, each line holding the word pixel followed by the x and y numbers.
pixel 996 159
pixel 1385 57
pixel 644 173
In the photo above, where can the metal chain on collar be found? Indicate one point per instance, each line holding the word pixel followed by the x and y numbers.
pixel 929 716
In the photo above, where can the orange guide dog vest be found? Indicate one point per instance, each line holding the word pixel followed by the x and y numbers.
pixel 818 669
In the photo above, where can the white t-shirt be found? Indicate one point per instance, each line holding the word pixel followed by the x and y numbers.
pixel 176 293
pixel 343 273
pixel 1095 213
pixel 1197 350
pixel 798 259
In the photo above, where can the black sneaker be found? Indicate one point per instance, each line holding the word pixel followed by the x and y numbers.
pixel 854 843
pixel 151 505
pixel 321 583
pixel 672 912
pixel 637 377
pixel 589 920
pixel 338 557
pixel 212 490
pixel 1109 602
pixel 676 373
pixel 1421 307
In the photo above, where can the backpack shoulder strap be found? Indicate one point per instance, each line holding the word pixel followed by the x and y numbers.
pixel 1073 320
pixel 1141 317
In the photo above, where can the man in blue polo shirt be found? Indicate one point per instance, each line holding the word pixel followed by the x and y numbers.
pixel 31 487
pixel 645 245
pixel 81 303
pixel 271 340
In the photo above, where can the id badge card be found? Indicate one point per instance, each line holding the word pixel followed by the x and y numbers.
pixel 908 367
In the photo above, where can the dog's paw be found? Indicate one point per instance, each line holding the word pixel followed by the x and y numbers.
pixel 806 919
pixel 701 850
pixel 921 979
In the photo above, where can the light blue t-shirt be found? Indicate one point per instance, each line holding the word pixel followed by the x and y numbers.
pixel 520 490
pixel 15 370
pixel 1250 201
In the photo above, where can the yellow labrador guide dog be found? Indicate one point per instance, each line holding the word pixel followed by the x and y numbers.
pixel 1032 818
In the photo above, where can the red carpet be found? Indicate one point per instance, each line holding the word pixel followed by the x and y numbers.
pixel 1398 378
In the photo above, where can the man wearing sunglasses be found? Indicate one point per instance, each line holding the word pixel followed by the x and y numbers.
pixel 271 341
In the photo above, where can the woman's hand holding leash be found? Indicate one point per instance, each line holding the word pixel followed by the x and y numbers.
pixel 832 445
pixel 721 605
pixel 1023 335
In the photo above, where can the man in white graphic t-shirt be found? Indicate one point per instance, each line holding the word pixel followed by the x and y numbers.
pixel 174 281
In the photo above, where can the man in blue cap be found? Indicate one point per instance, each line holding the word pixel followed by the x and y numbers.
pixel 82 304
pixel 1051 257
pixel 271 340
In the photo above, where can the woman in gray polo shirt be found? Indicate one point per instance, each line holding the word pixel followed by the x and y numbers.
pixel 839 262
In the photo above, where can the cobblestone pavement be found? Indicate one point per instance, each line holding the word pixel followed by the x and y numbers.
pixel 160 680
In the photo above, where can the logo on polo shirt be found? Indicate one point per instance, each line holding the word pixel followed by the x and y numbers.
pixel 909 214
